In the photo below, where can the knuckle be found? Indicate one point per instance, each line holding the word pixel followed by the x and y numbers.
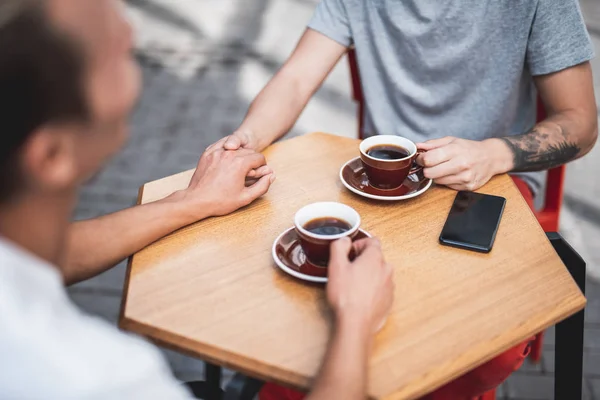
pixel 443 153
pixel 428 159
pixel 468 177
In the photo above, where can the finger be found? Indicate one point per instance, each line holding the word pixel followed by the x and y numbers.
pixel 340 251
pixel 258 189
pixel 450 180
pixel 253 161
pixel 436 156
pixel 458 188
pixel 262 171
pixel 435 143
pixel 360 245
pixel 466 180
pixel 241 152
pixel 232 143
pixel 236 141
pixel 448 168
pixel 455 182
pixel 371 251
pixel 217 145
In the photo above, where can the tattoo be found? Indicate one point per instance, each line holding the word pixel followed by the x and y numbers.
pixel 537 150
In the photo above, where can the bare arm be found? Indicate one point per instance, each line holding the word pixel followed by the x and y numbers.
pixel 277 107
pixel 361 295
pixel 571 129
pixel 569 132
pixel 343 374
pixel 218 187
pixel 98 244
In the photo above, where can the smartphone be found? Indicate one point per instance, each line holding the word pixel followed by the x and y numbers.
pixel 473 221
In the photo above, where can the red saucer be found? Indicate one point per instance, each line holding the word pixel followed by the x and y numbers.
pixel 354 177
pixel 289 256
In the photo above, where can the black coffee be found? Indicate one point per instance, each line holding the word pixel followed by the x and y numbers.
pixel 327 226
pixel 388 152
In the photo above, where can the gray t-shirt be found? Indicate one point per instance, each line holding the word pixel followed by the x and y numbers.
pixel 432 68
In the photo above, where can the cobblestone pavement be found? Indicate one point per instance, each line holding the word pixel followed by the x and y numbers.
pixel 203 61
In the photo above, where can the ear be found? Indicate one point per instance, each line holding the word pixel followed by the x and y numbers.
pixel 49 158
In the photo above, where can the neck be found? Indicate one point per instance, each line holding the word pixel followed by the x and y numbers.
pixel 38 224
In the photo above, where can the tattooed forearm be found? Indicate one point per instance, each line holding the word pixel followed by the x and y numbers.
pixel 539 150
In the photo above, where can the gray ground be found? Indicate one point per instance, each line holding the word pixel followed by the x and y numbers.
pixel 203 61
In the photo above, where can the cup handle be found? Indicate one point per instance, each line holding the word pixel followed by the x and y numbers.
pixel 416 167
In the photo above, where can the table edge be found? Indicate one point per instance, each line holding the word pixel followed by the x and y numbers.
pixel 213 355
pixel 288 378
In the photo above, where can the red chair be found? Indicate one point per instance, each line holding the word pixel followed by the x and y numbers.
pixel 548 216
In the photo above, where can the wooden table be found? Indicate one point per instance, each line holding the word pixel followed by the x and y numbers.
pixel 211 289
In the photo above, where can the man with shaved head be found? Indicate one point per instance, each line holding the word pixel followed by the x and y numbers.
pixel 67 85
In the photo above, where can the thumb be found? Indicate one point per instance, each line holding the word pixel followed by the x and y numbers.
pixel 435 143
pixel 339 252
pixel 258 189
pixel 233 142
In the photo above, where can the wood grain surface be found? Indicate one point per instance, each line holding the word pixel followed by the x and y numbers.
pixel 211 289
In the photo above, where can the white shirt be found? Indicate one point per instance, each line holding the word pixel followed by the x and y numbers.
pixel 51 350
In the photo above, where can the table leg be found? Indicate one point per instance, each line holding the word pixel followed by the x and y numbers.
pixel 210 389
pixel 568 376
pixel 242 387
pixel 213 381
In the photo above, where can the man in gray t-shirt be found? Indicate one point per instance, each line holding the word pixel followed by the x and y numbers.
pixel 459 77
pixel 449 69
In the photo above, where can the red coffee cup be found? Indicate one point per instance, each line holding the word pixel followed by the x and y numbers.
pixel 390 172
pixel 316 246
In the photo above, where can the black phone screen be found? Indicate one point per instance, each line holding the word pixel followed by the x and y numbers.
pixel 473 221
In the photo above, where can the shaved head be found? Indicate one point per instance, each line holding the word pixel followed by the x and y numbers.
pixel 65 64
pixel 40 71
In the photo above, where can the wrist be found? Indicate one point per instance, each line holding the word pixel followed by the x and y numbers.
pixel 188 209
pixel 252 139
pixel 502 157
pixel 356 323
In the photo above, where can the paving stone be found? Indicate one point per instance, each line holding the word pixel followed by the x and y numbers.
pixel 549 337
pixel 591 12
pixel 587 390
pixel 591 363
pixel 531 387
pixel 548 361
pixel 594 384
pixel 112 279
pixel 592 338
pixel 98 303
pixel 501 392
pixel 592 311
pixel 531 367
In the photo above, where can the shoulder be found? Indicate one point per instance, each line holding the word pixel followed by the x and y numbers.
pixel 50 349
